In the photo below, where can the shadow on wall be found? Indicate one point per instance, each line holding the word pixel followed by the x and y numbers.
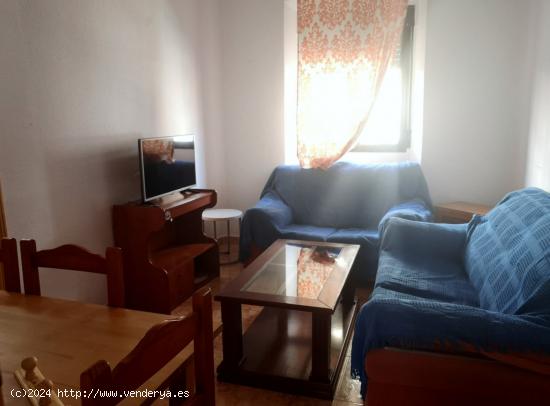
pixel 86 178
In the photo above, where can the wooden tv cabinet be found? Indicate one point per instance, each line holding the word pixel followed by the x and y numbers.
pixel 166 255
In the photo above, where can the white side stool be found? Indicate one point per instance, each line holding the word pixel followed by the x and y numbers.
pixel 215 215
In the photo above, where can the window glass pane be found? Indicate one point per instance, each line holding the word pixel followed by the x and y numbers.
pixel 384 124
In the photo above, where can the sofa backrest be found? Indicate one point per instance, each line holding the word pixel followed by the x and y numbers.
pixel 507 255
pixel 347 195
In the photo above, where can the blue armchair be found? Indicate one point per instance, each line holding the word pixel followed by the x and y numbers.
pixel 481 288
pixel 347 203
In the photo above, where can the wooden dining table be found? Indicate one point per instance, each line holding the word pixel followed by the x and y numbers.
pixel 67 337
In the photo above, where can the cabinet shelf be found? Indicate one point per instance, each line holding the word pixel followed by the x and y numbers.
pixel 174 257
pixel 166 255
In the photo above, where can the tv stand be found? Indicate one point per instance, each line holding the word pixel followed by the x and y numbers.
pixel 166 255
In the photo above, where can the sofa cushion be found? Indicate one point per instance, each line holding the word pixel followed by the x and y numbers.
pixel 305 232
pixel 508 254
pixel 347 195
pixel 356 236
pixel 430 277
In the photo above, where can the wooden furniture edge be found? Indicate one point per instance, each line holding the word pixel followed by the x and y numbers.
pixel 324 386
pixel 74 258
pixel 141 229
pixel 459 212
pixel 39 323
pixel 449 373
pixel 3 228
pixel 233 292
pixel 3 234
pixel 161 343
pixel 9 260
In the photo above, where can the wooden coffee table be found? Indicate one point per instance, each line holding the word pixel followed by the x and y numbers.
pixel 298 342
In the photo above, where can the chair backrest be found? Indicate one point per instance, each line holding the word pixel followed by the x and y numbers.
pixel 160 345
pixel 8 258
pixel 75 258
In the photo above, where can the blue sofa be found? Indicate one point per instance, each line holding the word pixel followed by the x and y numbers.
pixel 482 287
pixel 348 203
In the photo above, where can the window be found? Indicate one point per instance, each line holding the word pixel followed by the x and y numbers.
pixel 389 126
pixel 184 142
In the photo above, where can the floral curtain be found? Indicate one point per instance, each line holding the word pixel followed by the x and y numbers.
pixel 344 49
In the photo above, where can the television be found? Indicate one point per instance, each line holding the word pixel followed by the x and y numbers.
pixel 167 165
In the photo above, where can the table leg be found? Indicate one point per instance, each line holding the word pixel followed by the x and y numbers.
pixel 348 293
pixel 232 336
pixel 320 341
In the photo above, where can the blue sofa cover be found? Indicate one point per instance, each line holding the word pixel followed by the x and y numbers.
pixel 348 203
pixel 485 284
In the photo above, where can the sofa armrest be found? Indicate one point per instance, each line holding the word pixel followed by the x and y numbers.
pixel 262 224
pixel 415 209
pixel 271 208
pixel 416 238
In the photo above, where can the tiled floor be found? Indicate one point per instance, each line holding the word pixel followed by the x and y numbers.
pixel 347 392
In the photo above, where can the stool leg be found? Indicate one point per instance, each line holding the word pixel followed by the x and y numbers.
pixel 239 238
pixel 228 242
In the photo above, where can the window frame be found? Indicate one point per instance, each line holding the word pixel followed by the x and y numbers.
pixel 406 62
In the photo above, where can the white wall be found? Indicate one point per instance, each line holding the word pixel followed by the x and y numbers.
pixel 290 18
pixel 209 47
pixel 419 68
pixel 252 67
pixel 538 161
pixel 476 98
pixel 80 82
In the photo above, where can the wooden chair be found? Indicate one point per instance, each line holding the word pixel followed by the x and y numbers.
pixel 75 258
pixel 8 258
pixel 160 345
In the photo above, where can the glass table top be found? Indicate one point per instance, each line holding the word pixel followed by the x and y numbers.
pixel 298 270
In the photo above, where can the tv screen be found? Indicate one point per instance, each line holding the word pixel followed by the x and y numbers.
pixel 167 165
